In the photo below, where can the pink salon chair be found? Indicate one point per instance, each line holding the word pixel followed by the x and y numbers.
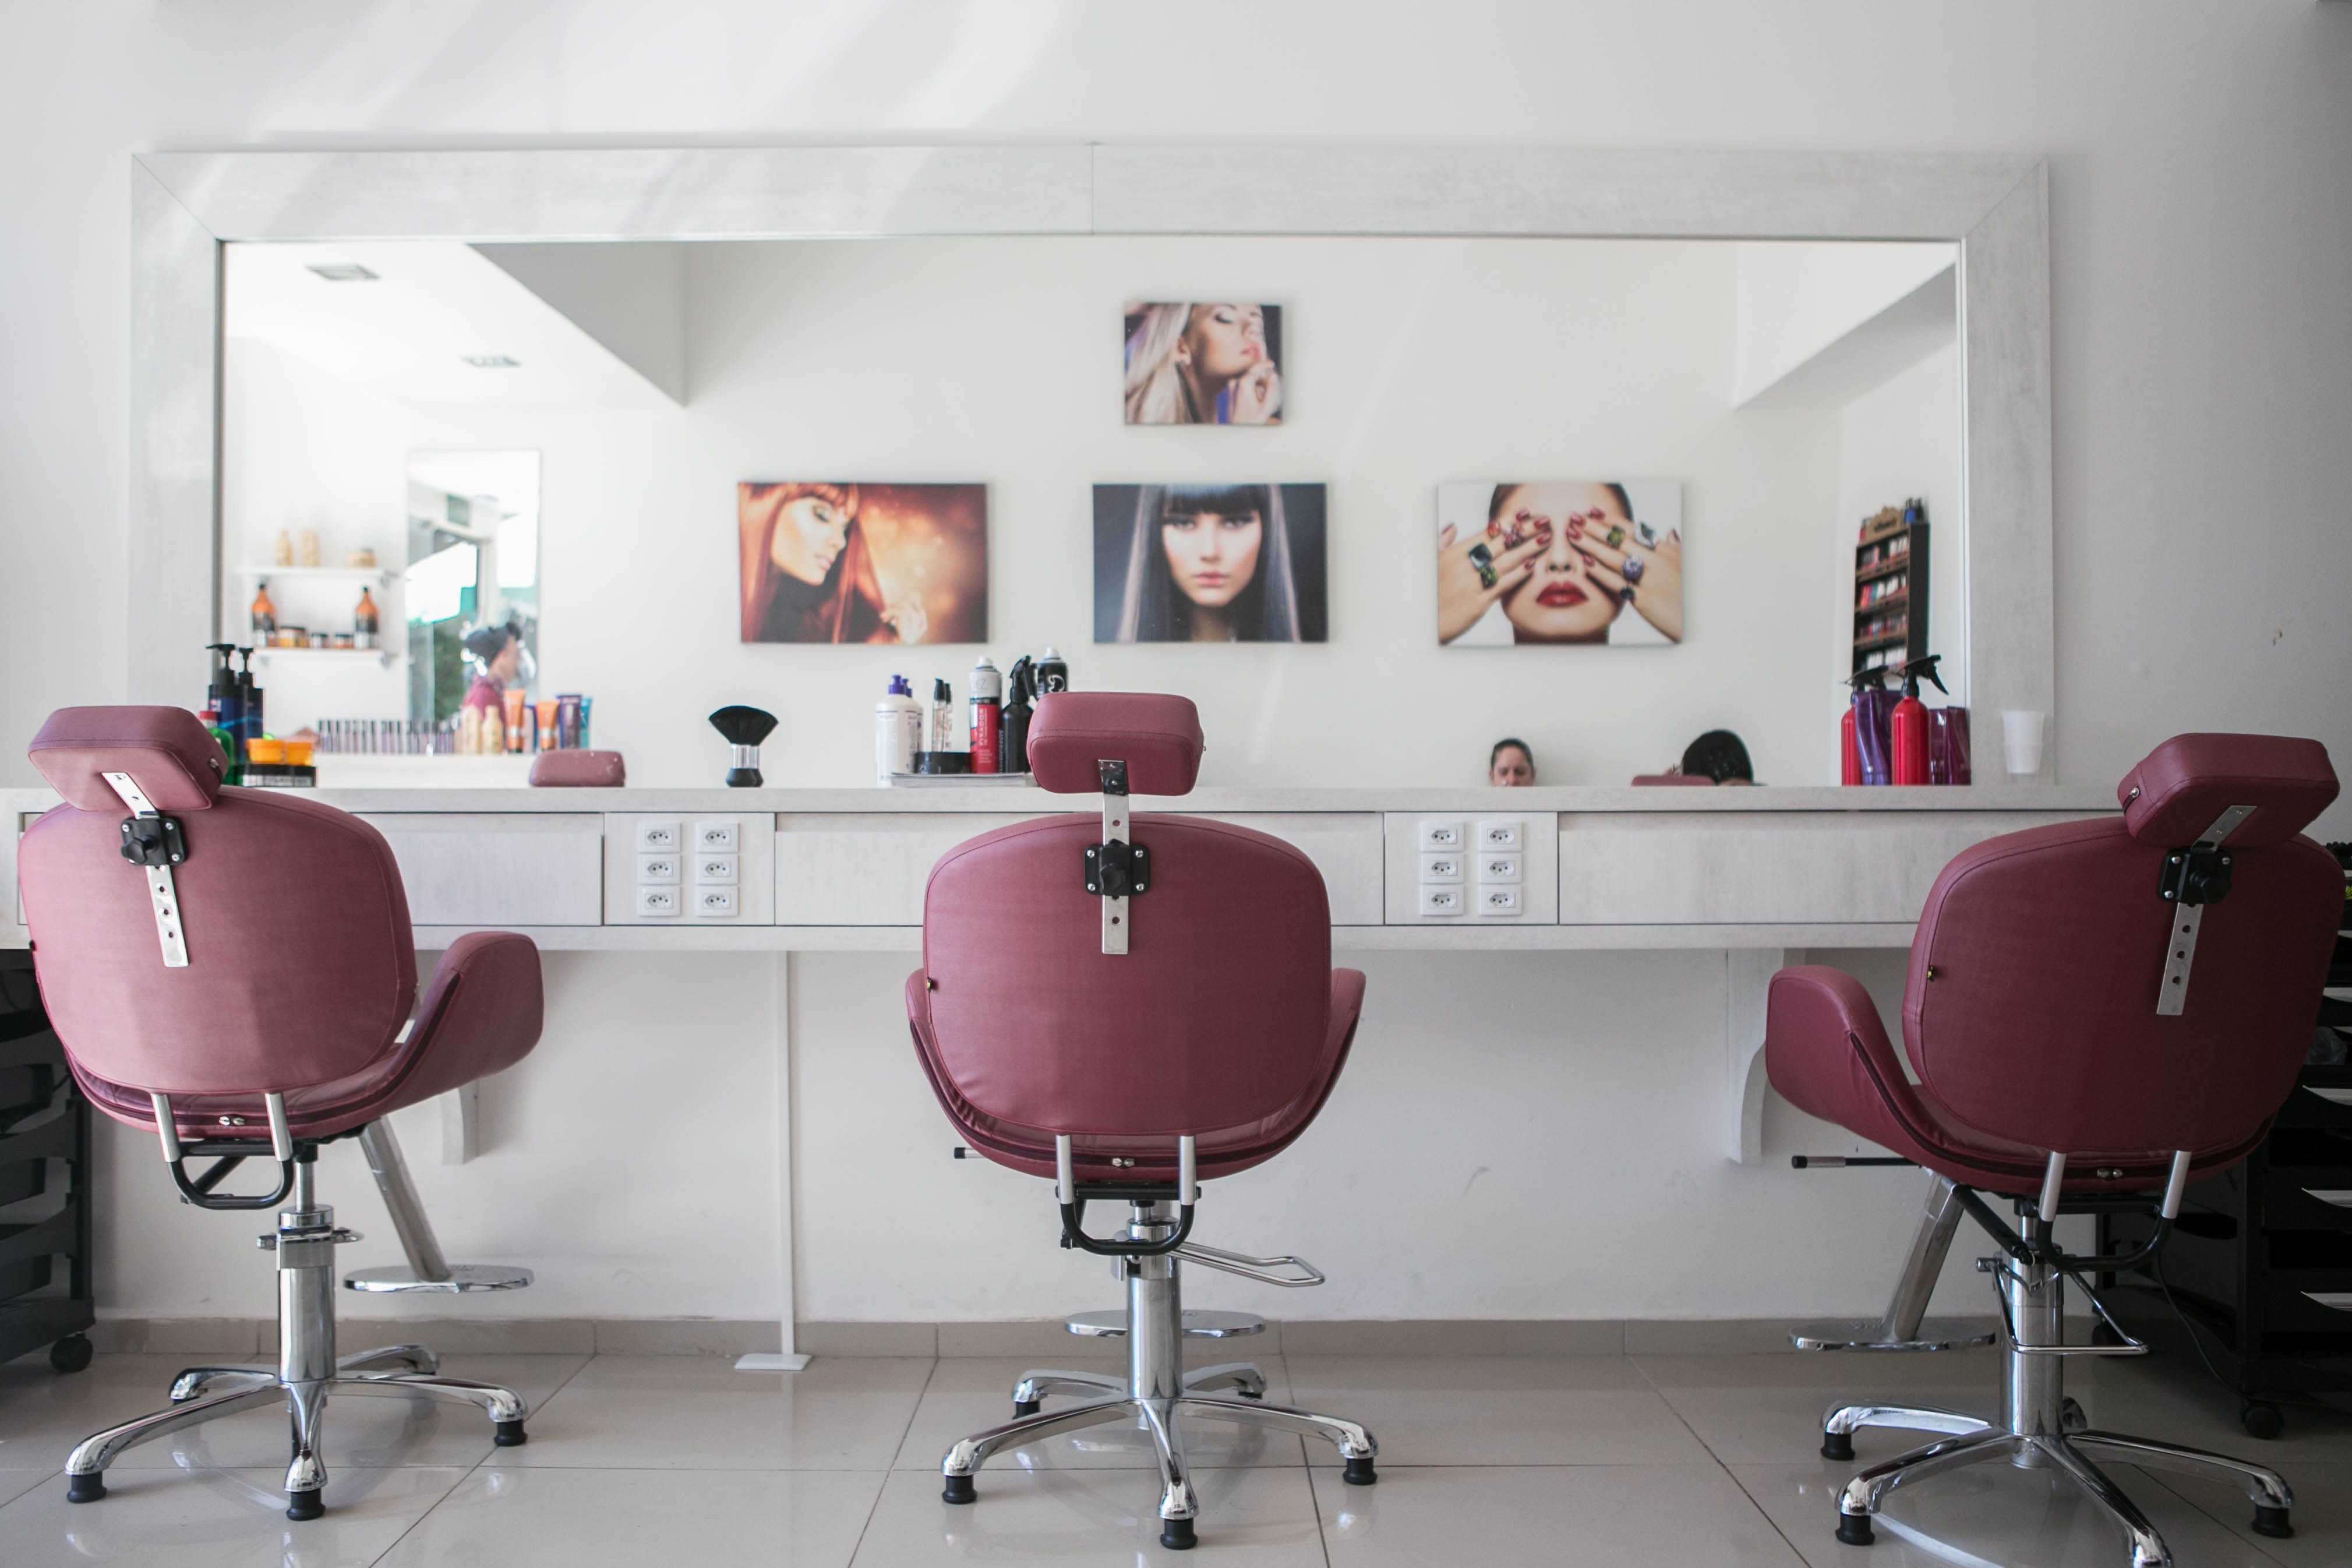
pixel 1132 1008
pixel 2098 1013
pixel 245 988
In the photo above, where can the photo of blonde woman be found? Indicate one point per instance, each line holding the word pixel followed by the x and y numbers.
pixel 1574 561
pixel 1204 365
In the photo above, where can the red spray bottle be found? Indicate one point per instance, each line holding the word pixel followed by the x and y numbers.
pixel 1907 730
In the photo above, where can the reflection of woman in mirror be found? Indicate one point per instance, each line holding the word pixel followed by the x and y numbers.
pixel 1209 563
pixel 497 655
pixel 1564 561
pixel 1510 765
pixel 808 574
pixel 1201 365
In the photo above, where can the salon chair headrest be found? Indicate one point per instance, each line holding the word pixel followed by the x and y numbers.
pixel 576 768
pixel 166 750
pixel 1157 737
pixel 1670 781
pixel 2178 790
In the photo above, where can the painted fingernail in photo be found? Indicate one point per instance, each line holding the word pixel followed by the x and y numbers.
pixel 836 562
pixel 1231 562
pixel 1560 561
pixel 1204 363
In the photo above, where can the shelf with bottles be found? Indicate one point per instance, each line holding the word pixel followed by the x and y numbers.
pixel 1890 592
pixel 376 576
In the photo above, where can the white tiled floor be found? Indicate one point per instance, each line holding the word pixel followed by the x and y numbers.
pixel 1486 1462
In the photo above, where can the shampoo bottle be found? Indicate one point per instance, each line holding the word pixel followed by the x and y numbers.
pixel 1907 728
pixel 897 731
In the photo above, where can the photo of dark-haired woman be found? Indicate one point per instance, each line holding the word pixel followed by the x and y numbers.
pixel 1203 364
pixel 1559 562
pixel 841 562
pixel 1234 563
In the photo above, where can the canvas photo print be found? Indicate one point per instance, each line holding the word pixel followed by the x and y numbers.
pixel 1216 562
pixel 1563 561
pixel 845 562
pixel 1202 363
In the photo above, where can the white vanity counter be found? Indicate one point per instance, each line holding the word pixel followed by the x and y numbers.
pixel 1432 869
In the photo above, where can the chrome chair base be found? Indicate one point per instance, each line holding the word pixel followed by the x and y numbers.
pixel 2040 1425
pixel 1872 1334
pixel 1156 1391
pixel 308 1370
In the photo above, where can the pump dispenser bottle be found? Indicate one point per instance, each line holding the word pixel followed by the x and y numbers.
pixel 1865 733
pixel 897 731
pixel 1908 727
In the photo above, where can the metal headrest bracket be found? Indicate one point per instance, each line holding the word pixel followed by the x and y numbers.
pixel 151 841
pixel 1116 870
pixel 2193 878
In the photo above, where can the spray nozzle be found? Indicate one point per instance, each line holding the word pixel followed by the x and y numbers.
pixel 899 686
pixel 1871 679
pixel 1913 671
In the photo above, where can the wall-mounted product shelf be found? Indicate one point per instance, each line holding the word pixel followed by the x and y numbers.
pixel 1890 588
pixel 348 654
pixel 376 575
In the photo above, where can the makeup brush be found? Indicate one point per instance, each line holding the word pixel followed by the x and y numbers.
pixel 744 728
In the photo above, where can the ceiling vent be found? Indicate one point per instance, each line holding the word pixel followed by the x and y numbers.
pixel 493 362
pixel 344 272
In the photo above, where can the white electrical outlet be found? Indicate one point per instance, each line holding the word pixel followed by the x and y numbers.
pixel 1499 901
pixel 1439 868
pixel 1499 868
pixel 656 835
pixel 657 901
pixel 1436 835
pixel 1442 900
pixel 710 836
pixel 656 869
pixel 1501 835
pixel 710 868
pixel 715 904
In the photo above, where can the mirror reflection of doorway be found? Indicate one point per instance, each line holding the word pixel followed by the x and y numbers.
pixel 472 566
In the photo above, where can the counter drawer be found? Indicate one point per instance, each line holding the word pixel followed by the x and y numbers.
pixel 492 870
pixel 867 868
pixel 1775 868
pixel 1344 846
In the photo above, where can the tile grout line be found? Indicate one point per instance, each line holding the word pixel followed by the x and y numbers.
pixel 892 1469
pixel 1708 1449
pixel 394 1545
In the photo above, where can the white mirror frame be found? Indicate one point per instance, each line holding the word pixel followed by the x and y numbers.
pixel 186 205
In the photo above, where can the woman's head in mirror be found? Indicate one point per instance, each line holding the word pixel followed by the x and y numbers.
pixel 1510 765
pixel 1560 601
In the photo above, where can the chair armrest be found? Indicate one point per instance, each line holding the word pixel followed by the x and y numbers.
pixel 1826 1052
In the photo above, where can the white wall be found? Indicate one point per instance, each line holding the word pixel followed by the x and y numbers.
pixel 2202 354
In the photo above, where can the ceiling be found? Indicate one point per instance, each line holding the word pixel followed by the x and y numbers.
pixel 409 332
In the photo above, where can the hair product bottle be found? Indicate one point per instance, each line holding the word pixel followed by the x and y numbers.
pixel 1867 721
pixel 1012 742
pixel 364 621
pixel 264 614
pixel 1053 674
pixel 897 731
pixel 987 691
pixel 940 733
pixel 1907 726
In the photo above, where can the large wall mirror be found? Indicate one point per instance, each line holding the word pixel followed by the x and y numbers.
pixel 1750 356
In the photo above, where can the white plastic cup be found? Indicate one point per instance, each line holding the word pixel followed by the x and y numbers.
pixel 2020 742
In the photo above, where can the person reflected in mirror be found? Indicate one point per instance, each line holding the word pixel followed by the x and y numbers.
pixel 497 655
pixel 1565 560
pixel 1201 365
pixel 808 574
pixel 1510 765
pixel 1718 755
pixel 1209 563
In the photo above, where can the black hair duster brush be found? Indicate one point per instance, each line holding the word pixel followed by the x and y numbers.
pixel 744 728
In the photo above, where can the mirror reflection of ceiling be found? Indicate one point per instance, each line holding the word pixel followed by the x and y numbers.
pixel 441 325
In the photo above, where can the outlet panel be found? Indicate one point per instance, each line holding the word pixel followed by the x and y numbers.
pixel 1485 870
pixel 678 870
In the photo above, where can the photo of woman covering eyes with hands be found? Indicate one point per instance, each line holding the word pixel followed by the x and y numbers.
pixel 1209 563
pixel 1567 562
pixel 1204 365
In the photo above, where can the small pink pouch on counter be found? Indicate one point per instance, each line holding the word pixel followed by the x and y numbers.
pixel 578 769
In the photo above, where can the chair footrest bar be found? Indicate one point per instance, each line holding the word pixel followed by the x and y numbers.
pixel 1862 1334
pixel 463 1278
pixel 1199 1324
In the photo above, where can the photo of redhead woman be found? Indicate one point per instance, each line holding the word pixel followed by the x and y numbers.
pixel 834 562
pixel 1209 563
pixel 1566 561
pixel 1204 365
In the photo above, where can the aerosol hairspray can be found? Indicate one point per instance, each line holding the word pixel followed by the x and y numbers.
pixel 987 687
pixel 1053 674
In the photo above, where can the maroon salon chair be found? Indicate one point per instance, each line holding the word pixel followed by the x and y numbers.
pixel 1133 1016
pixel 2099 1012
pixel 246 987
